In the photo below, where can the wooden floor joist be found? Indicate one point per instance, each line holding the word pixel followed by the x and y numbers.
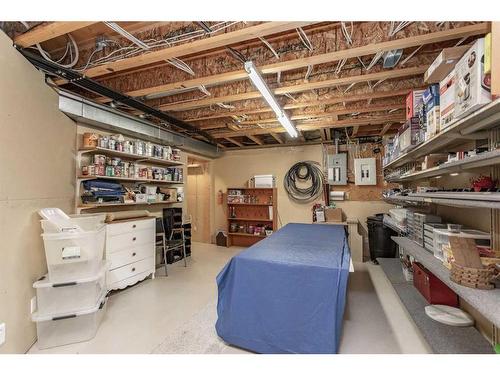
pixel 314 115
pixel 383 75
pixel 256 139
pixel 315 103
pixel 308 127
pixel 412 41
pixel 385 129
pixel 277 137
pixel 233 141
pixel 47 31
pixel 216 41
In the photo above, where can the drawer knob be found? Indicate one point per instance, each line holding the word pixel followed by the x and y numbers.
pixel 133 254
pixel 134 226
pixel 133 269
pixel 133 239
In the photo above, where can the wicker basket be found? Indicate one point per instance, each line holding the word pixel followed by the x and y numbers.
pixel 474 277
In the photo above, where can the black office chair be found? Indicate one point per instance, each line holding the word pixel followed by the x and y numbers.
pixel 169 244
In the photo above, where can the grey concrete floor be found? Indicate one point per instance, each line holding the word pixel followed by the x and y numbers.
pixel 145 317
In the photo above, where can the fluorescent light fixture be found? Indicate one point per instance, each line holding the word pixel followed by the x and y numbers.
pixel 118 29
pixel 454 174
pixel 266 93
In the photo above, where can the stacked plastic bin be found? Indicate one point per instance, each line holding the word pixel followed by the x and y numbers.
pixel 71 297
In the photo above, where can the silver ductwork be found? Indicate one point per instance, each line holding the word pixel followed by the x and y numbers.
pixel 103 117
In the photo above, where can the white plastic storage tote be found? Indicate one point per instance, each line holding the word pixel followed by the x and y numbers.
pixel 79 294
pixel 57 330
pixel 73 255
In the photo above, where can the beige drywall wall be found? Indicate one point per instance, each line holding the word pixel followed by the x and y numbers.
pixel 37 144
pixel 236 167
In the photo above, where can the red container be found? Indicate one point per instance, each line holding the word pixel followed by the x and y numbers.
pixel 433 289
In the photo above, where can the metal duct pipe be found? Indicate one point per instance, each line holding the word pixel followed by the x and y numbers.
pixel 103 117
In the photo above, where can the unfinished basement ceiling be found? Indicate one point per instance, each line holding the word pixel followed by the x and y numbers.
pixel 326 75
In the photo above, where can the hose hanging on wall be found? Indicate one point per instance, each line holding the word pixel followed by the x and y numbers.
pixel 304 172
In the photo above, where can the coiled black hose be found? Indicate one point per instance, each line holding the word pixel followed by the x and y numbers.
pixel 304 172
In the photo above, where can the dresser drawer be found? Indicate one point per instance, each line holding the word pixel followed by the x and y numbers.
pixel 127 240
pixel 114 229
pixel 131 255
pixel 130 270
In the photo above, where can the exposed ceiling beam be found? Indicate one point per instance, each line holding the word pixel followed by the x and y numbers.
pixel 233 141
pixel 47 31
pixel 413 41
pixel 383 75
pixel 220 40
pixel 322 134
pixel 365 109
pixel 255 139
pixel 319 102
pixel 277 137
pixel 307 127
pixel 273 145
pixel 328 134
pixel 385 129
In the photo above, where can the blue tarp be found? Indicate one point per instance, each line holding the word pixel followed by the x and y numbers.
pixel 286 293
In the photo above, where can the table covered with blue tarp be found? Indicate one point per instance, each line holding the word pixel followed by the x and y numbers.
pixel 286 293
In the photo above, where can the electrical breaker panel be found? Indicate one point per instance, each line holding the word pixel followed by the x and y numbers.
pixel 337 169
pixel 365 171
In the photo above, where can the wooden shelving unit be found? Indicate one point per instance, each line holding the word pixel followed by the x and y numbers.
pixel 125 155
pixel 85 153
pixel 459 132
pixel 262 211
pixel 83 178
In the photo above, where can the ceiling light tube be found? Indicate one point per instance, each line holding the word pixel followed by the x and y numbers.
pixel 267 94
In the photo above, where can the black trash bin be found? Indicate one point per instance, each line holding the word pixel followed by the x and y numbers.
pixel 379 238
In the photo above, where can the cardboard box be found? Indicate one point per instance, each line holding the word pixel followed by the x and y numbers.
pixel 141 198
pixel 409 134
pixel 333 215
pixel 473 86
pixel 433 122
pixel 447 100
pixel 411 101
pixel 433 160
pixel 487 53
pixel 170 194
pixel 430 97
pixel 443 64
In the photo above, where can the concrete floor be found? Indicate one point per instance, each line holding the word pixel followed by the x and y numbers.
pixel 142 318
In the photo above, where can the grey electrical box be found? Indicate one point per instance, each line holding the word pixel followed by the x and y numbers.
pixel 337 169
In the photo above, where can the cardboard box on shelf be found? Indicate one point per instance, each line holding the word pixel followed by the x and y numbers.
pixel 444 63
pixel 411 102
pixel 333 215
pixel 409 134
pixel 487 53
pixel 430 97
pixel 447 99
pixel 473 85
pixel 433 125
pixel 433 160
pixel 170 194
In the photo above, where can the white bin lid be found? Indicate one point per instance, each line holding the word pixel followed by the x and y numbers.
pixel 35 317
pixel 465 233
pixel 44 281
pixel 448 315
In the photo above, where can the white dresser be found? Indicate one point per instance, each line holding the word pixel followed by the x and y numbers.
pixel 130 252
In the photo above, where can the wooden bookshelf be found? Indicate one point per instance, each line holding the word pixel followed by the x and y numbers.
pixel 261 210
